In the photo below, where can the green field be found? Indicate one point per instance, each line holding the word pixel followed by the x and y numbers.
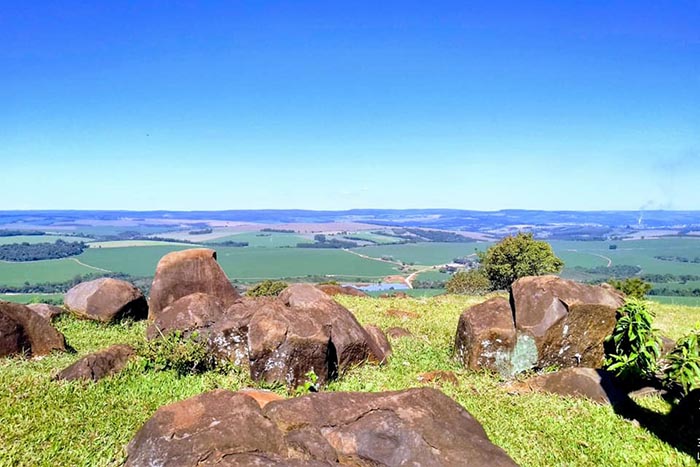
pixel 380 239
pixel 31 298
pixel 40 239
pixel 247 264
pixel 266 239
pixel 36 272
pixel 422 253
pixel 46 422
pixel 686 301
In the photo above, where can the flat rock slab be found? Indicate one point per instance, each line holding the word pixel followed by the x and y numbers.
pixel 182 273
pixel 106 300
pixel 420 427
pixel 594 384
pixel 98 365
pixel 24 331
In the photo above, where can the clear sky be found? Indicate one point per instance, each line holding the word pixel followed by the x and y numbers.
pixel 332 105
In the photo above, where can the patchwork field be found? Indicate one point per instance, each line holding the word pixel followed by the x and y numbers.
pixel 35 272
pixel 71 423
pixel 41 239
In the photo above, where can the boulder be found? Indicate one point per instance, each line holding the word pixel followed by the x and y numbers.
pixel 594 384
pixel 194 312
pixel 23 331
pixel 351 344
pixel 97 365
pixel 486 336
pixel 568 321
pixel 182 273
pixel 381 348
pixel 334 289
pixel 47 311
pixel 411 427
pixel 398 332
pixel 106 300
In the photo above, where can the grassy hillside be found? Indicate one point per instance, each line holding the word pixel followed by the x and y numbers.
pixel 52 423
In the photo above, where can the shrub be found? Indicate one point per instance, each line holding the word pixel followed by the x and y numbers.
pixel 472 282
pixel 634 347
pixel 173 352
pixel 683 367
pixel 268 288
pixel 632 287
pixel 516 257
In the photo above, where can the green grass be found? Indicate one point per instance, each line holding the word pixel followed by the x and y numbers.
pixel 247 264
pixel 422 253
pixel 266 239
pixel 34 272
pixel 60 423
pixel 688 301
pixel 41 239
pixel 30 297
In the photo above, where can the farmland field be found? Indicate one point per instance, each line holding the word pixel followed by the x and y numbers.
pixel 34 272
pixel 31 297
pixel 266 239
pixel 422 253
pixel 371 237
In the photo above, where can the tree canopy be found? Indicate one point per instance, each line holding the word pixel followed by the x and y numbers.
pixel 518 256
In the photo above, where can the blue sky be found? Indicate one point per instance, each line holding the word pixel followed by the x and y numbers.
pixel 332 105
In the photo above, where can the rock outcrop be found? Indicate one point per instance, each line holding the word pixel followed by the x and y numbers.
pixel 106 300
pixel 594 384
pixel 47 311
pixel 333 289
pixel 182 273
pixel 98 365
pixel 486 336
pixel 412 427
pixel 23 331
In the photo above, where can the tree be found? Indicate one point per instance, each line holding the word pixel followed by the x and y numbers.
pixel 472 282
pixel 518 256
pixel 632 287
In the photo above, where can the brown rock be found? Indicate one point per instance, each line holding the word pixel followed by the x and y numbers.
pixel 402 314
pixel 381 348
pixel 261 396
pixel 285 345
pixel 567 320
pixel 187 314
pixel 350 341
pixel 106 300
pixel 333 289
pixel 47 311
pixel 486 336
pixel 98 365
pixel 182 273
pixel 439 376
pixel 24 331
pixel 594 384
pixel 667 345
pixel 412 427
pixel 398 332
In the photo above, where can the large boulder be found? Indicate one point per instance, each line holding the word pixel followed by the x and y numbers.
pixel 568 321
pixel 97 365
pixel 594 384
pixel 197 311
pixel 23 331
pixel 486 336
pixel 106 300
pixel 182 273
pixel 412 427
pixel 381 347
pixel 47 311
pixel 350 341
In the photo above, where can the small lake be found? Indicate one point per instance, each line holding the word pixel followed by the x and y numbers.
pixel 382 287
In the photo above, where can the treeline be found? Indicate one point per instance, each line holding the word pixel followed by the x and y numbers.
pixel 142 283
pixel 321 241
pixel 204 231
pixel 618 271
pixel 423 284
pixel 671 292
pixel 20 252
pixel 17 233
pixel 228 243
pixel 267 229
pixel 679 259
pixel 440 236
pixel 670 278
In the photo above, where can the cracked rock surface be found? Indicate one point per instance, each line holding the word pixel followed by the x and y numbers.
pixel 417 427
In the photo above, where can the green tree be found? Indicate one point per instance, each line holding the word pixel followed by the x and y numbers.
pixel 632 287
pixel 472 282
pixel 518 256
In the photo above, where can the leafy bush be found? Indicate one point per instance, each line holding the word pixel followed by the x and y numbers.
pixel 683 367
pixel 174 352
pixel 516 257
pixel 472 282
pixel 634 347
pixel 268 288
pixel 632 287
